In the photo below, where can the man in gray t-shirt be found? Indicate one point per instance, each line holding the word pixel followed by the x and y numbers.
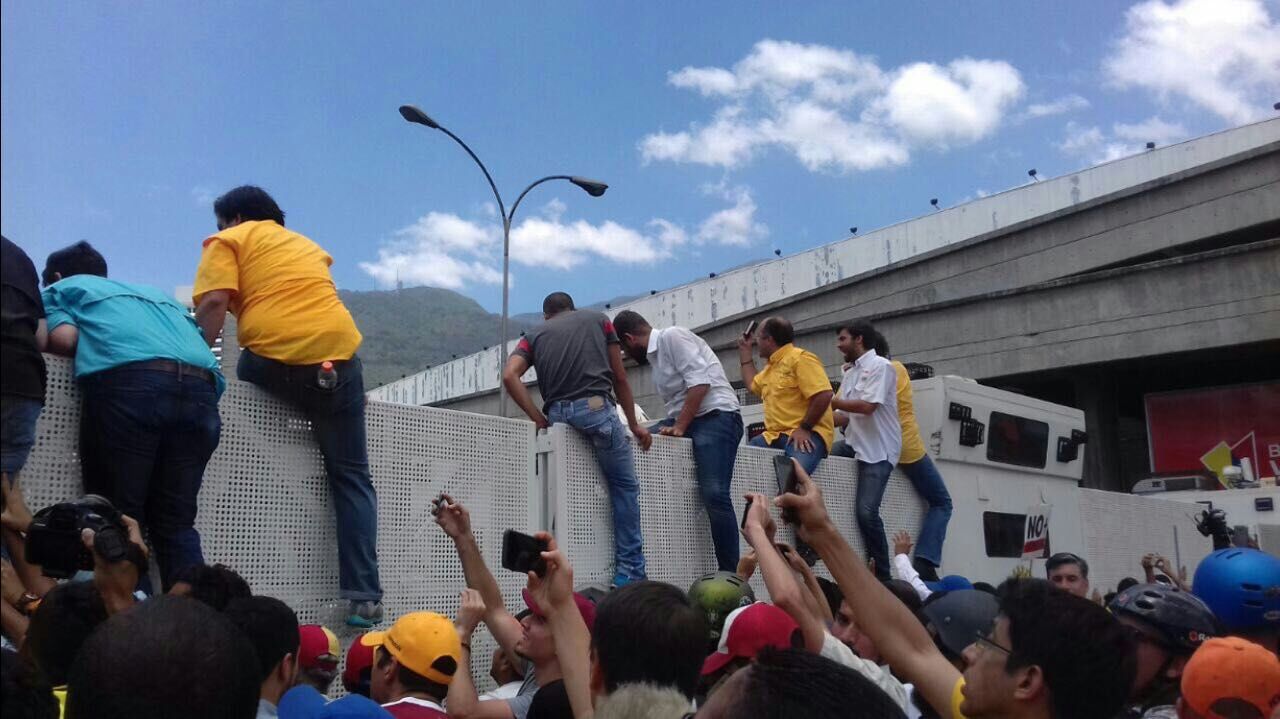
pixel 580 372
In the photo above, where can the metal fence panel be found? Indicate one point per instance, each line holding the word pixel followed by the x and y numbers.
pixel 677 536
pixel 265 507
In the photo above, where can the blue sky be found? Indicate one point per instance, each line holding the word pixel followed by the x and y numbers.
pixel 725 130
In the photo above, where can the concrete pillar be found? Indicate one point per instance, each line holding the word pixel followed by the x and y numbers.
pixel 1096 395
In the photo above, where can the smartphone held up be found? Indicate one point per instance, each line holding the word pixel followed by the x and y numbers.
pixel 523 553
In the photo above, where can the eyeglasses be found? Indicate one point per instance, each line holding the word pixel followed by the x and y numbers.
pixel 984 640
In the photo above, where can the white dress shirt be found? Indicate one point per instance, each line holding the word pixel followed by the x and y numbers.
pixel 875 437
pixel 680 360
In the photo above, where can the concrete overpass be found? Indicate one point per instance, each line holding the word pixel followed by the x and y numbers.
pixel 1133 261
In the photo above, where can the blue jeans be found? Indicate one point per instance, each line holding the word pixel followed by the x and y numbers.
pixel 613 451
pixel 928 483
pixel 873 477
pixel 145 438
pixel 808 460
pixel 337 420
pixel 18 417
pixel 715 436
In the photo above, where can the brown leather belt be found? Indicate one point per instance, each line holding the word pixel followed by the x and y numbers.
pixel 179 368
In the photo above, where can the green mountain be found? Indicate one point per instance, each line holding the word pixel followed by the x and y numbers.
pixel 405 331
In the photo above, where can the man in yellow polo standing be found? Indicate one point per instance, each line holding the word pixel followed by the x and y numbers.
pixel 300 345
pixel 796 394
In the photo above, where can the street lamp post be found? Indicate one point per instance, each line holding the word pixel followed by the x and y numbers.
pixel 591 187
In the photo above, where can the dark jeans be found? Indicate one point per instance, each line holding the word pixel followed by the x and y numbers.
pixel 928 483
pixel 337 420
pixel 808 460
pixel 145 438
pixel 715 436
pixel 873 477
pixel 18 417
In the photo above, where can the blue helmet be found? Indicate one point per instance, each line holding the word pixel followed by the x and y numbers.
pixel 1242 587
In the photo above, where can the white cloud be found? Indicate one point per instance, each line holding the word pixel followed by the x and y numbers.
pixel 1064 104
pixel 442 249
pixel 1092 144
pixel 1153 129
pixel 960 103
pixel 835 110
pixel 734 225
pixel 1097 146
pixel 1223 55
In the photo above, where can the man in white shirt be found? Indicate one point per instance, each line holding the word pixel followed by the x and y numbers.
pixel 867 410
pixel 700 405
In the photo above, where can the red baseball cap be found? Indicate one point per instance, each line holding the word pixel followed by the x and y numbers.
pixel 318 648
pixel 749 629
pixel 359 658
pixel 585 607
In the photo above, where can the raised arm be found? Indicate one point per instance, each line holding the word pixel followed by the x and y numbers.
pixel 554 592
pixel 899 636
pixel 784 591
pixel 747 362
pixel 454 519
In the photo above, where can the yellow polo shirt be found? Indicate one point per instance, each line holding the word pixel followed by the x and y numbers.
pixel 286 305
pixel 912 445
pixel 788 380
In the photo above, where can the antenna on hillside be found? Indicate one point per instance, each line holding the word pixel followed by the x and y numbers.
pixel 399 283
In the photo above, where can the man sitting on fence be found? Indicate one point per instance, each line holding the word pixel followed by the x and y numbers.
pixel 299 344
pixel 795 390
pixel 701 405
pixel 149 415
pixel 867 408
pixel 579 365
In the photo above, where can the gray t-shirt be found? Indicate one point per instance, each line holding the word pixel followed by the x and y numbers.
pixel 571 353
pixel 520 703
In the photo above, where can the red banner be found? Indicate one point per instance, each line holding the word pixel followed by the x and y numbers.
pixel 1194 430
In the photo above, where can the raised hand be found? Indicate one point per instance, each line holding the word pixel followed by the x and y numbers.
pixel 453 518
pixel 902 543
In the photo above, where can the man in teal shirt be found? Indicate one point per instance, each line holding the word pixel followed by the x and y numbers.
pixel 150 385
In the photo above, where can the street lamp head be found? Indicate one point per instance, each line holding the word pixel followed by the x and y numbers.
pixel 413 114
pixel 592 187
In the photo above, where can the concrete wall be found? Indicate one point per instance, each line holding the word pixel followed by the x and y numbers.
pixel 731 295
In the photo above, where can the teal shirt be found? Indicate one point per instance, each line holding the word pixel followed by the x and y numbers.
pixel 120 323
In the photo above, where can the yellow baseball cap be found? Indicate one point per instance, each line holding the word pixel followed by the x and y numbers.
pixel 419 640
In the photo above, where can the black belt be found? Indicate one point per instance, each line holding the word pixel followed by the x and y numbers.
pixel 172 367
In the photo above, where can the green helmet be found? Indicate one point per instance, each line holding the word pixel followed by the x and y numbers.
pixel 717 594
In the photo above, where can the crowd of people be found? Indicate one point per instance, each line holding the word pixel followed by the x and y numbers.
pixel 885 637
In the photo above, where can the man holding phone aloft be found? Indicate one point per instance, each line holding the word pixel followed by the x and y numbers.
pixel 795 390
pixel 700 405
pixel 868 410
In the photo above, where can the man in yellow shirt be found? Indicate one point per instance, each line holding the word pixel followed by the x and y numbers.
pixel 920 469
pixel 300 345
pixel 1048 655
pixel 795 390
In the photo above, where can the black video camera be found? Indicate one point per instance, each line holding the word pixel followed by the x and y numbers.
pixel 53 541
pixel 1213 523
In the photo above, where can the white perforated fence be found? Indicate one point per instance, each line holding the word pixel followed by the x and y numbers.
pixel 265 508
pixel 677 536
pixel 1119 529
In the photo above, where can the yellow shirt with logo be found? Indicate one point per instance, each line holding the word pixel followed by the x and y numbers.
pixel 286 305
pixel 789 379
pixel 912 445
